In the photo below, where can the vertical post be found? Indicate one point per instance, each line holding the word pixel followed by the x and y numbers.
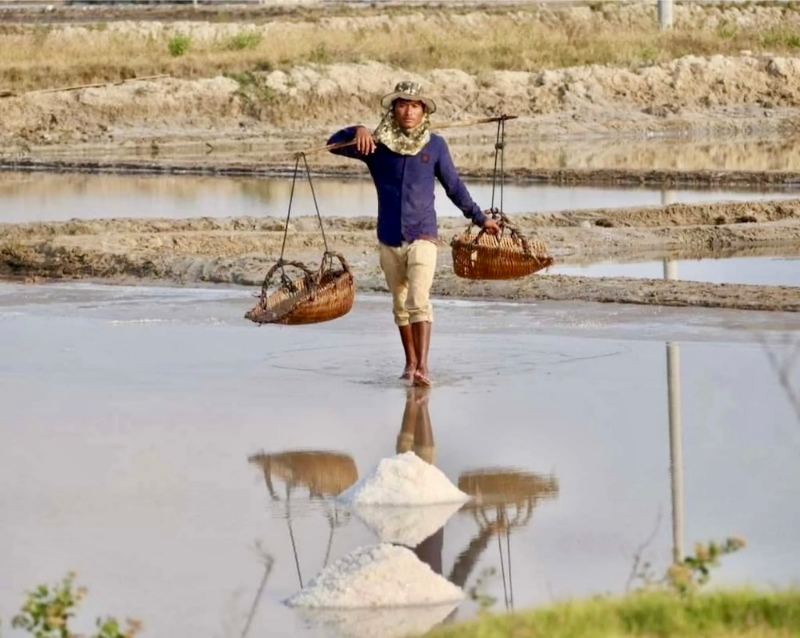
pixel 664 14
pixel 675 427
pixel 675 449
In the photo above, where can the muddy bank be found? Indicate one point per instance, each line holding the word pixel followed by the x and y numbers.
pixel 744 161
pixel 745 219
pixel 240 250
pixel 713 95
pixel 621 290
pixel 475 166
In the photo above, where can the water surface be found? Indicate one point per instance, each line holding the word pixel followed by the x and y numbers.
pixel 132 416
pixel 775 271
pixel 30 197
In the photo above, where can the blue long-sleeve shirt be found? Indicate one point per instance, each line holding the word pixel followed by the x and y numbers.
pixel 405 185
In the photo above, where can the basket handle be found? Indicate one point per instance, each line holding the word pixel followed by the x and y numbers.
pixel 505 224
pixel 282 263
pixel 327 262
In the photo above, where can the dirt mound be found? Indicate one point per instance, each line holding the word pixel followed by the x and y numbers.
pixel 147 107
pixel 693 93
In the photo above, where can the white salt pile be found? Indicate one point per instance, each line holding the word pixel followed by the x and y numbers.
pixel 404 524
pixel 404 479
pixel 378 622
pixel 377 576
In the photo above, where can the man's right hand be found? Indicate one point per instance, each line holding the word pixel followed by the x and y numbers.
pixel 365 143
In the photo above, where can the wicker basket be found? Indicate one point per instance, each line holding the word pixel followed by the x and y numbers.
pixel 311 298
pixel 508 255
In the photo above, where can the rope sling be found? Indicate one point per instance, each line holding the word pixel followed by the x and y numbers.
pixel 507 255
pixel 313 296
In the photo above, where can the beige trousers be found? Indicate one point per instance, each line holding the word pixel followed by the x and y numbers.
pixel 409 273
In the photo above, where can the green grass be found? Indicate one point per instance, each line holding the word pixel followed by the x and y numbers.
pixel 740 614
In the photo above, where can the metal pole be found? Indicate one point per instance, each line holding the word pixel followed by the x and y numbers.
pixel 664 14
pixel 675 428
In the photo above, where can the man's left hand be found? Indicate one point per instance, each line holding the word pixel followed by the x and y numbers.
pixel 491 226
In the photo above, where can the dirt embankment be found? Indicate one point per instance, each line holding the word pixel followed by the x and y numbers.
pixel 703 94
pixel 240 250
pixel 716 95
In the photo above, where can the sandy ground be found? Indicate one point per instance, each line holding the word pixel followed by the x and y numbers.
pixel 240 250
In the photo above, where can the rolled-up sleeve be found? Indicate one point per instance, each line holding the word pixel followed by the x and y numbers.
pixel 455 189
pixel 346 135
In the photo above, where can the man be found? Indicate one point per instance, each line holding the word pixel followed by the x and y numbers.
pixel 404 158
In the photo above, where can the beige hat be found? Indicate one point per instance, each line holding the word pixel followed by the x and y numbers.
pixel 408 90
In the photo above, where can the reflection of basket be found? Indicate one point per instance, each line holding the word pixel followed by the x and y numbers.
pixel 323 473
pixel 502 256
pixel 495 487
pixel 312 298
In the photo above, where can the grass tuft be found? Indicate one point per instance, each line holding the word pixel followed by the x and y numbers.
pixel 739 614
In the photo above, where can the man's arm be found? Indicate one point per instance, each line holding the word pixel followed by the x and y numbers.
pixel 455 189
pixel 346 135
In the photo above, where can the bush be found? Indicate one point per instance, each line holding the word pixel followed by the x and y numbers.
pixel 178 45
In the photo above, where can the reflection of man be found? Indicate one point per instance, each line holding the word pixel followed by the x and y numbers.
pixel 416 434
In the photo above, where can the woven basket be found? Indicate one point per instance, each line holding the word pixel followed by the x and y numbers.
pixel 311 298
pixel 507 255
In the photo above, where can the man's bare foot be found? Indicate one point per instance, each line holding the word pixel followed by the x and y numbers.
pixel 408 372
pixel 421 378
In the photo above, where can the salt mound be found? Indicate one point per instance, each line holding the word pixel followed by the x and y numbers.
pixel 385 622
pixel 404 479
pixel 404 524
pixel 377 576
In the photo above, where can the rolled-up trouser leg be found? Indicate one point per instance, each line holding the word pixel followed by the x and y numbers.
pixel 393 264
pixel 421 266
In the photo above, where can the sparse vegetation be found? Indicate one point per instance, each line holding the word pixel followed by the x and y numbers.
pixel 47 611
pixel 33 57
pixel 737 614
pixel 669 606
pixel 179 45
pixel 255 94
pixel 245 40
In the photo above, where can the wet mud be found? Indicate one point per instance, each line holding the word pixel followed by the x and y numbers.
pixel 240 250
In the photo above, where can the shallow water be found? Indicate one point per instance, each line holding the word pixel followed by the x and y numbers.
pixel 131 417
pixel 26 197
pixel 776 271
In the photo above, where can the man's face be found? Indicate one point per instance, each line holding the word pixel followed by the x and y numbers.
pixel 408 113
